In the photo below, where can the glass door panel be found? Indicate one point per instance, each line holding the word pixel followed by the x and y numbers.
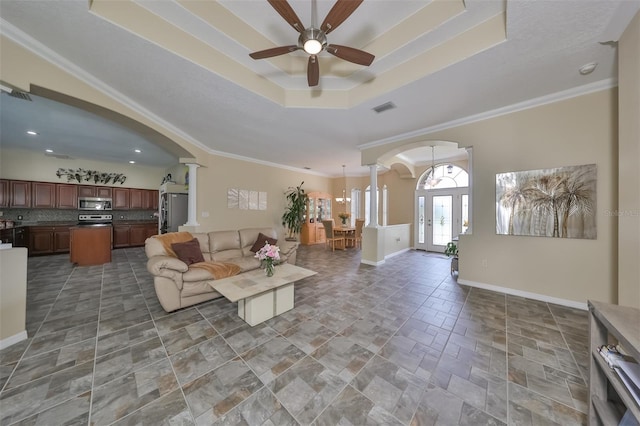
pixel 442 220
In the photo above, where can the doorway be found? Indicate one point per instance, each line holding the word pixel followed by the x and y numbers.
pixel 442 207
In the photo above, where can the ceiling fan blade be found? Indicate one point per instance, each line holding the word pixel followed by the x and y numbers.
pixel 338 13
pixel 286 11
pixel 275 51
pixel 350 54
pixel 313 71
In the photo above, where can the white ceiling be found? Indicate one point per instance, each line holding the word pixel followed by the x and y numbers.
pixel 185 64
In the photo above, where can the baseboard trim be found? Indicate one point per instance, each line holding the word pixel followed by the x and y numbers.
pixel 372 263
pixel 396 253
pixel 12 340
pixel 526 294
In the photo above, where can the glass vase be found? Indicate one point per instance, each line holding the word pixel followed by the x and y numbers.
pixel 269 268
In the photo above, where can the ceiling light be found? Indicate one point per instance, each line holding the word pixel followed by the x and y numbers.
pixel 48 150
pixel 432 180
pixel 132 162
pixel 32 132
pixel 312 40
pixel 588 68
pixel 137 151
pixel 344 199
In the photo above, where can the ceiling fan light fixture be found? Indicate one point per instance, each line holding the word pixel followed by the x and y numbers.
pixel 313 40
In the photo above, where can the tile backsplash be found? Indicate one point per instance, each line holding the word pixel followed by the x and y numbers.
pixel 53 215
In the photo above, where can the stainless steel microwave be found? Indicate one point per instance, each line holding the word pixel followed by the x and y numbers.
pixel 95 204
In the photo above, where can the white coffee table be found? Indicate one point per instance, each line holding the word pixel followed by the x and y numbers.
pixel 260 297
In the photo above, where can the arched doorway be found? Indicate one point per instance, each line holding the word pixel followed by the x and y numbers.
pixel 442 206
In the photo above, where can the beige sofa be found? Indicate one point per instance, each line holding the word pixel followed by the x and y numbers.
pixel 178 285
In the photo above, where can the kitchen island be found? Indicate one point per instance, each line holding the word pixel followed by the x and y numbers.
pixel 91 244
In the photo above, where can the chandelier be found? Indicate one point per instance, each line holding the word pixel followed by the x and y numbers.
pixel 344 199
pixel 432 180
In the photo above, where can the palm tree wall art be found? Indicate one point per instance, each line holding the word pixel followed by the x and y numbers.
pixel 558 203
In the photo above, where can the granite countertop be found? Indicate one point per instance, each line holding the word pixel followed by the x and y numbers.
pixel 24 223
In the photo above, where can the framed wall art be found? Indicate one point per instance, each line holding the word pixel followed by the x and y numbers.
pixel 558 203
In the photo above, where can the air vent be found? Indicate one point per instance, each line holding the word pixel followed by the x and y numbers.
pixel 384 107
pixel 60 156
pixel 20 95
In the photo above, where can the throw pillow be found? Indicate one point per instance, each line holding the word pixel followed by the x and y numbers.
pixel 189 252
pixel 260 242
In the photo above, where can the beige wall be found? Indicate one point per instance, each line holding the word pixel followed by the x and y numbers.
pixel 31 165
pixel 219 174
pixel 13 295
pixel 629 170
pixel 577 131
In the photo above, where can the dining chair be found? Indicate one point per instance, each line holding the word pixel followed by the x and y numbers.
pixel 358 233
pixel 330 238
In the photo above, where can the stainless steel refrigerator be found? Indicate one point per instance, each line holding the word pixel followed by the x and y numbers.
pixel 173 211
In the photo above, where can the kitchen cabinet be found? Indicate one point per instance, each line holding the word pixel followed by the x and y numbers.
pixel 150 200
pixel 48 240
pixel 121 198
pixel 137 235
pixel 95 191
pixel 136 198
pixel 120 236
pixel 20 194
pixel 609 397
pixel 318 209
pixel 4 193
pixel 43 195
pixel 66 196
pixel 90 245
pixel 133 235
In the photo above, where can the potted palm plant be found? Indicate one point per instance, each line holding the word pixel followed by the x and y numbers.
pixel 293 216
pixel 452 250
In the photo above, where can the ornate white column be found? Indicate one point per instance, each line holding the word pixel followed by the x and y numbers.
pixel 193 189
pixel 373 196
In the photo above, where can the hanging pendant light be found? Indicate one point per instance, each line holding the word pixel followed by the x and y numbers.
pixel 432 181
pixel 344 199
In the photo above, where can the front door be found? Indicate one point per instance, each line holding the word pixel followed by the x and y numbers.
pixel 440 216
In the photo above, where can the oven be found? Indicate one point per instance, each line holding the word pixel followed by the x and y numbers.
pixel 95 219
pixel 93 203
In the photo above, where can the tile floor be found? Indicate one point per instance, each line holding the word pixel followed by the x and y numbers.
pixel 398 344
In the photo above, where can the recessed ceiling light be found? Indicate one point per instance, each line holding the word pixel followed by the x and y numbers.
pixel 32 133
pixel 132 162
pixel 588 68
pixel 137 150
pixel 48 150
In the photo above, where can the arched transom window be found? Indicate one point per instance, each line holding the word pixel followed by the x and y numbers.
pixel 444 176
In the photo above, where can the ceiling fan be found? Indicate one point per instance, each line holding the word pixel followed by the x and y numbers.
pixel 314 40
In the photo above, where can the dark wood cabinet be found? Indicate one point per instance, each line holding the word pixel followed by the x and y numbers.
pixel 66 196
pixel 120 236
pixel 40 240
pixel 20 194
pixel 150 199
pixel 43 195
pixel 151 229
pixel 133 235
pixel 4 193
pixel 137 235
pixel 95 191
pixel 104 192
pixel 121 198
pixel 48 240
pixel 61 240
pixel 137 198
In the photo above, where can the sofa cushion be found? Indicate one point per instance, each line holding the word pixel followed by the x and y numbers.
pixel 189 251
pixel 248 237
pixel 260 242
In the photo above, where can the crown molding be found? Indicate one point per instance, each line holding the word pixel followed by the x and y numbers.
pixel 42 51
pixel 531 103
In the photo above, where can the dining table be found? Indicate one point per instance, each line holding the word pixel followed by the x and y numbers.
pixel 348 232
